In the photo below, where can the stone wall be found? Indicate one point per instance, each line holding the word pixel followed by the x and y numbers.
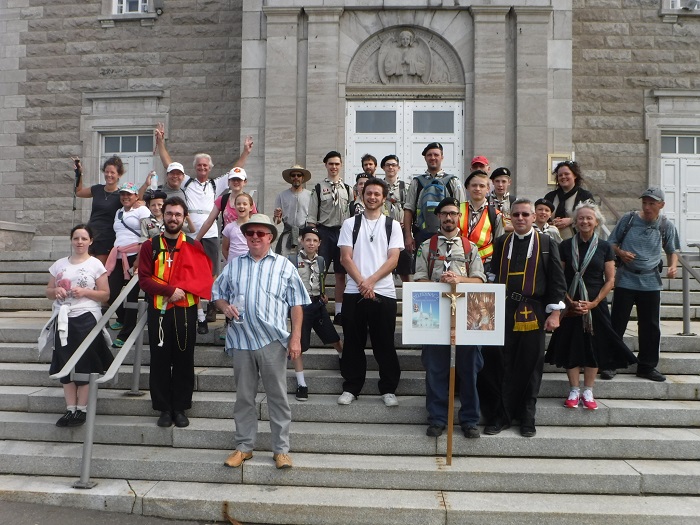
pixel 191 55
pixel 621 48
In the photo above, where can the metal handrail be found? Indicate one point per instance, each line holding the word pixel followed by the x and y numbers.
pixel 135 339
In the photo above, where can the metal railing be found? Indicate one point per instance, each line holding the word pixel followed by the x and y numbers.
pixel 683 259
pixel 135 340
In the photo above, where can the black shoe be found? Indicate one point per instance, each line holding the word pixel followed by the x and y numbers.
pixel 165 420
pixel 338 319
pixel 435 430
pixel 65 419
pixel 528 431
pixel 78 419
pixel 180 419
pixel 492 430
pixel 211 313
pixel 608 374
pixel 652 375
pixel 471 432
pixel 302 393
pixel 202 327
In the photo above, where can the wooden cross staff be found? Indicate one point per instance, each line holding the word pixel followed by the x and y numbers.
pixel 452 296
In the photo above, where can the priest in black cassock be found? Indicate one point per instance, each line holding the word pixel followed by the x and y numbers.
pixel 530 267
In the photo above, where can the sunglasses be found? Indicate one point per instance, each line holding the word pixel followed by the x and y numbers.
pixel 256 233
pixel 294 175
pixel 520 214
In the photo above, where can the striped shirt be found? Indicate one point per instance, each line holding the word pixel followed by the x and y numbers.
pixel 271 286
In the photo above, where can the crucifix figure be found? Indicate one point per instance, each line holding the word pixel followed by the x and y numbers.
pixel 453 295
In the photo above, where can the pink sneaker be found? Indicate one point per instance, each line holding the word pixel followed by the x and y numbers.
pixel 573 399
pixel 589 401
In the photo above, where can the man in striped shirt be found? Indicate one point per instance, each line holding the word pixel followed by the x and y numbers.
pixel 259 339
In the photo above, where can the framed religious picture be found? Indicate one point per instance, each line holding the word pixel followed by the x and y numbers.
pixel 552 160
pixel 478 314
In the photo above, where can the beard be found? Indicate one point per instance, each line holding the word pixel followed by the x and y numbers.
pixel 173 227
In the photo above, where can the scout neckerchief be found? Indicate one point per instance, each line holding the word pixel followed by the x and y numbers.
pixel 314 274
pixel 577 282
pixel 525 318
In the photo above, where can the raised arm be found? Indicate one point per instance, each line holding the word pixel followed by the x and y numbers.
pixel 85 193
pixel 160 145
pixel 247 148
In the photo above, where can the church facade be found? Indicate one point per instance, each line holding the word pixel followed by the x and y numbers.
pixel 614 84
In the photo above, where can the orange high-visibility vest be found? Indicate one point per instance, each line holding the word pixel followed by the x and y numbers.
pixel 161 274
pixel 482 234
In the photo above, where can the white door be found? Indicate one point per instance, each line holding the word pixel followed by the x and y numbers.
pixel 404 128
pixel 136 152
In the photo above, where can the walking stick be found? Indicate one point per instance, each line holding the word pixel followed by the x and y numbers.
pixel 452 296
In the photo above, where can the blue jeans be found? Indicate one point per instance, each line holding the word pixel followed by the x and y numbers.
pixel 436 361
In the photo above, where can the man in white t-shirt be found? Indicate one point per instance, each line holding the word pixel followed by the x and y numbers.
pixel 369 251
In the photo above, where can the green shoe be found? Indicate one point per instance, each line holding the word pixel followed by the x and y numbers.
pixel 118 343
pixel 116 325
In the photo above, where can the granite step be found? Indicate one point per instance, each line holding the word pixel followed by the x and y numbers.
pixel 355 506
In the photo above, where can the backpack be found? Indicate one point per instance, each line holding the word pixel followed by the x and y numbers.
pixel 432 191
pixel 317 189
pixel 388 225
pixel 294 259
pixel 189 181
pixel 155 245
pixel 663 230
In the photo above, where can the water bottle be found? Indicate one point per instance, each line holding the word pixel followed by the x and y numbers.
pixel 154 180
pixel 239 303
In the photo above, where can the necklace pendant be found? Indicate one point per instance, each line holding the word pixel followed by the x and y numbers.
pixel 371 238
pixel 169 261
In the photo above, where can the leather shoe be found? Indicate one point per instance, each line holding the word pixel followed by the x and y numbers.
pixel 180 419
pixel 237 457
pixel 652 375
pixel 202 327
pixel 471 432
pixel 165 420
pixel 211 313
pixel 435 430
pixel 528 431
pixel 492 430
pixel 282 460
pixel 608 374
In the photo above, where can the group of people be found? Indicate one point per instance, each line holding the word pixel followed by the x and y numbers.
pixel 556 269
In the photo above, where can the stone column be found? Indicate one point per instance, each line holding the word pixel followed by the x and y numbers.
pixel 323 118
pixel 531 100
pixel 490 89
pixel 281 74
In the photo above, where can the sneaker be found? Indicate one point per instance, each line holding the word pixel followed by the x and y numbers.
pixel 78 419
pixel 573 399
pixel 589 401
pixel 202 327
pixel 338 319
pixel 65 419
pixel 435 430
pixel 608 374
pixel 117 343
pixel 302 393
pixel 116 325
pixel 390 400
pixel 282 460
pixel 346 398
pixel 652 375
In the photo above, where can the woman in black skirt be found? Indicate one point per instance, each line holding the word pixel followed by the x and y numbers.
pixel 585 337
pixel 78 285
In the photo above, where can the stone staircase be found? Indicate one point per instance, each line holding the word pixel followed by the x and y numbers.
pixel 635 460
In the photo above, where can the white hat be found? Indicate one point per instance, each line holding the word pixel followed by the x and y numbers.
pixel 237 173
pixel 175 166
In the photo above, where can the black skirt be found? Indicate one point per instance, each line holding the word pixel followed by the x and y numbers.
pixel 97 357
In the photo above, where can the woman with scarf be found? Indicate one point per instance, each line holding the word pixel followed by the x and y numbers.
pixel 567 196
pixel 585 337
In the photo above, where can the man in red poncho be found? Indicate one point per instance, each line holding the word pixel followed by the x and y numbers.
pixel 175 273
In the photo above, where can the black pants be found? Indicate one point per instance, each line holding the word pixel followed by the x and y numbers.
pixel 126 316
pixel 172 365
pixel 379 316
pixel 648 322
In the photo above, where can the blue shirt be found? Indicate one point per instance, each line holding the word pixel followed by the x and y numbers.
pixel 646 241
pixel 271 286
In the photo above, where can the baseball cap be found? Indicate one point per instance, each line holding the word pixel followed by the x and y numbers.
pixel 654 192
pixel 237 173
pixel 129 187
pixel 175 166
pixel 480 159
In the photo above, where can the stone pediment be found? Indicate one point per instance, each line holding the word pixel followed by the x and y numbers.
pixel 405 60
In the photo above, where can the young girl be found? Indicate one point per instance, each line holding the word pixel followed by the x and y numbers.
pixel 234 243
pixel 78 285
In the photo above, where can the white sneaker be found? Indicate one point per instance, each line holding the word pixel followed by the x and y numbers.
pixel 346 398
pixel 390 400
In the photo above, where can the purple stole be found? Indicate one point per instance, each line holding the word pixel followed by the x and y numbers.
pixel 525 318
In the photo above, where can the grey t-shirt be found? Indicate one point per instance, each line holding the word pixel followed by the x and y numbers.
pixel 295 206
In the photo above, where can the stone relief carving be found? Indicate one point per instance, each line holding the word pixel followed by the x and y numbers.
pixel 405 57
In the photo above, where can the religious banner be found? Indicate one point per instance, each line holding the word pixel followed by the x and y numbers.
pixel 479 314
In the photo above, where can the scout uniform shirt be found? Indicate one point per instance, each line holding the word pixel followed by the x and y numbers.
pixel 448 256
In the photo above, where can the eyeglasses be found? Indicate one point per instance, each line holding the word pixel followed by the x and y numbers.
pixel 520 214
pixel 256 233
pixel 452 214
pixel 391 165
pixel 176 215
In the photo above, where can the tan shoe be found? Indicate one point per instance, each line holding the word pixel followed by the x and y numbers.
pixel 282 460
pixel 237 458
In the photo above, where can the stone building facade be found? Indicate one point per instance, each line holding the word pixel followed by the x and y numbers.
pixel 612 82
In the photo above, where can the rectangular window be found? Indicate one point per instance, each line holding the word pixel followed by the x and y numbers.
pixel 136 152
pixel 130 6
pixel 668 144
pixel 375 122
pixel 128 143
pixel 433 122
